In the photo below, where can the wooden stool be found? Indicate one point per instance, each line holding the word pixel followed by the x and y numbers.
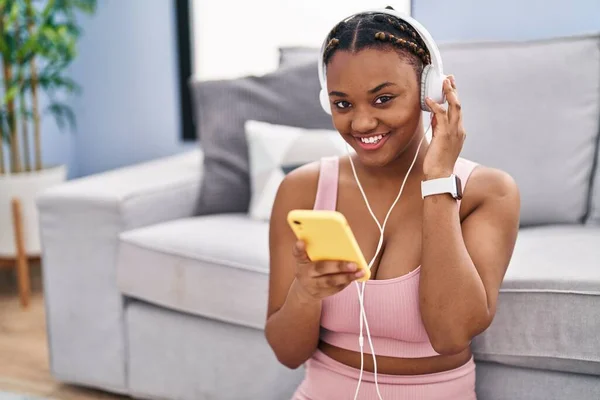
pixel 21 261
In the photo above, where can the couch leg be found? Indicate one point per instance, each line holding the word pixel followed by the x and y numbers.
pixel 22 261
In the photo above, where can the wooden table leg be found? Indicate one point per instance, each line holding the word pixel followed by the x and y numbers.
pixel 22 262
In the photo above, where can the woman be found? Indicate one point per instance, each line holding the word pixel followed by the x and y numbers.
pixel 434 283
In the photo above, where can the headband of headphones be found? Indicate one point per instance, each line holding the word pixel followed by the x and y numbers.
pixel 436 59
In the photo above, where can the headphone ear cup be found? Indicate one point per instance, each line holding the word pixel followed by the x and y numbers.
pixel 324 99
pixel 431 86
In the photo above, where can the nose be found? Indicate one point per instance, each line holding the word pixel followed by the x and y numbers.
pixel 363 122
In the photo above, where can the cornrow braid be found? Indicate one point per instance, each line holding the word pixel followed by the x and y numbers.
pixel 407 44
pixel 330 46
pixel 402 27
pixel 333 42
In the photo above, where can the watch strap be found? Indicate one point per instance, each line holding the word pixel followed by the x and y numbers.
pixel 450 185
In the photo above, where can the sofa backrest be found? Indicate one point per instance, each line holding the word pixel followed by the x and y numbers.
pixel 531 108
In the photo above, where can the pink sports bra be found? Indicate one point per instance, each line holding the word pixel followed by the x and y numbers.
pixel 391 305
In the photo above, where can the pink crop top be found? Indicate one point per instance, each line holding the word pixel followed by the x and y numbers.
pixel 391 305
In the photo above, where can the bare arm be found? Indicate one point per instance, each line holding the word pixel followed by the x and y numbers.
pixel 463 266
pixel 293 318
pixel 297 285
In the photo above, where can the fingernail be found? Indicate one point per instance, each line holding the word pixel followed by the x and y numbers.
pixel 360 274
pixel 352 267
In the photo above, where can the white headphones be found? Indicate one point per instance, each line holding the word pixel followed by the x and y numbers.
pixel 432 78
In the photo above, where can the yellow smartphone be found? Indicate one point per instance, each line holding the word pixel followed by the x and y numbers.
pixel 328 237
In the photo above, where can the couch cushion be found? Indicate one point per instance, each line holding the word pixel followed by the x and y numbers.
pixel 548 312
pixel 532 109
pixel 276 150
pixel 288 96
pixel 547 315
pixel 214 266
pixel 504 382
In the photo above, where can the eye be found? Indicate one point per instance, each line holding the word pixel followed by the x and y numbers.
pixel 383 99
pixel 342 104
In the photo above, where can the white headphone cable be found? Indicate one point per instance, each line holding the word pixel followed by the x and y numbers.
pixel 363 316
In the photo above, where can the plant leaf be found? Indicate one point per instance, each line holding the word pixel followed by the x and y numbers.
pixel 63 114
pixel 10 94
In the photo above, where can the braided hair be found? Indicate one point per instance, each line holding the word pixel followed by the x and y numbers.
pixel 374 30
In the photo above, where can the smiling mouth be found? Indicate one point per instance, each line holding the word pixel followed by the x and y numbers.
pixel 372 142
pixel 372 139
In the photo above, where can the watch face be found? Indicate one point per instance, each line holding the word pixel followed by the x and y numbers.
pixel 458 184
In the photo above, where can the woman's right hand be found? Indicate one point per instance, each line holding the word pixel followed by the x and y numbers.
pixel 323 278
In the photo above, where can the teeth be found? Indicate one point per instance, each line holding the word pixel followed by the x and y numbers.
pixel 372 139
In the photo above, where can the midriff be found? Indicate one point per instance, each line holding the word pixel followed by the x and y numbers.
pixel 394 365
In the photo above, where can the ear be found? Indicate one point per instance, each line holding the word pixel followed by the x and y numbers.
pixel 389 8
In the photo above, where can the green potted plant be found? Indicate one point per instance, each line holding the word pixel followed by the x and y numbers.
pixel 37 43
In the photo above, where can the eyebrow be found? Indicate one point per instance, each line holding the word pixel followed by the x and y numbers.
pixel 370 91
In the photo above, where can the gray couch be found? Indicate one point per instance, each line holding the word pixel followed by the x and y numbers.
pixel 155 277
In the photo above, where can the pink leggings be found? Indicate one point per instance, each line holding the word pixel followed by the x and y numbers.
pixel 328 379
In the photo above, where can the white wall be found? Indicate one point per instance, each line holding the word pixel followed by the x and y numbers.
pixel 492 20
pixel 240 37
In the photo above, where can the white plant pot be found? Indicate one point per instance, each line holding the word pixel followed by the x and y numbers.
pixel 24 186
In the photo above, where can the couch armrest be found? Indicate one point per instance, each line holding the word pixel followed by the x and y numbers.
pixel 80 221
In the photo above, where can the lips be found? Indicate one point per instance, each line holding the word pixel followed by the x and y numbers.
pixel 371 142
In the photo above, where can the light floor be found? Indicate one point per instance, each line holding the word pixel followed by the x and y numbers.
pixel 23 348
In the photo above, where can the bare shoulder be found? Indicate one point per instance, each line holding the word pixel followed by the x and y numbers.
pixel 488 185
pixel 492 182
pixel 297 190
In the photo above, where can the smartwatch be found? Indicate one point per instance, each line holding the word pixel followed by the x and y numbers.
pixel 451 185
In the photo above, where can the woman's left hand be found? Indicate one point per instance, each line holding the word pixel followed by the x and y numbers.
pixel 448 134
